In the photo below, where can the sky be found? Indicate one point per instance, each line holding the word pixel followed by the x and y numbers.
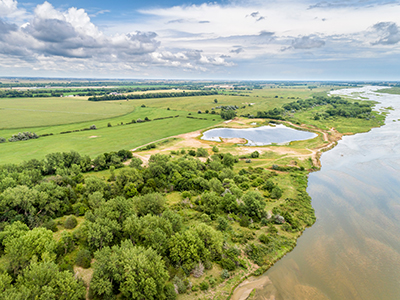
pixel 222 40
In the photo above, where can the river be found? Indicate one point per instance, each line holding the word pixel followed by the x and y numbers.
pixel 353 250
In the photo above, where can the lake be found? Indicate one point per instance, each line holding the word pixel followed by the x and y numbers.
pixel 259 136
pixel 353 250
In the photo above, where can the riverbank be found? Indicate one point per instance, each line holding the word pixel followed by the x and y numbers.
pixel 262 287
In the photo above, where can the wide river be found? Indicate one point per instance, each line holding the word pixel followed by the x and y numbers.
pixel 353 250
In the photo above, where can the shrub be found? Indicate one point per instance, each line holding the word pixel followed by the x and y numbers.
pixel 146 119
pixel 225 274
pixel 169 291
pixel 215 149
pixel 228 264
pixel 2 140
pixel 204 286
pixel 50 225
pixel 199 111
pixel 222 224
pixel 255 154
pixel 143 105
pixel 179 285
pixel 183 151
pixel 198 270
pixel 192 153
pixel 23 136
pixel 208 265
pixel 70 222
pixel 83 258
pixel 264 238
pixel 93 127
pixel 109 124
pixel 201 152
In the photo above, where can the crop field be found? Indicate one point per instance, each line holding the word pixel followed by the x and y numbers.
pixel 35 112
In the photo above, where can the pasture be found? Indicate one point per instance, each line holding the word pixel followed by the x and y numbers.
pixel 57 115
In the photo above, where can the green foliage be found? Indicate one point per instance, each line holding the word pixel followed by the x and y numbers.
pixel 255 154
pixel 222 224
pixel 225 274
pixel 201 152
pixel 70 222
pixel 215 149
pixel 133 271
pixel 169 291
pixel 153 203
pixel 83 258
pixel 204 286
pixel 136 163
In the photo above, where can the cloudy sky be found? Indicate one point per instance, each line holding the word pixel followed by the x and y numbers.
pixel 172 39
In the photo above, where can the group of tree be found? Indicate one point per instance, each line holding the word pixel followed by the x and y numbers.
pixel 335 106
pixel 143 247
pixel 153 95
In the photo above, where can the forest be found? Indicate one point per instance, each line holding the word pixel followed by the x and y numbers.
pixel 138 243
pixel 335 106
pixel 153 95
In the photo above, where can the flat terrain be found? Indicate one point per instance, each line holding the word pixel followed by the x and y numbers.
pixel 35 112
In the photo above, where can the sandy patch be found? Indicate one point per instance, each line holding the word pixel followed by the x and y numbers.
pixel 93 136
pixel 234 141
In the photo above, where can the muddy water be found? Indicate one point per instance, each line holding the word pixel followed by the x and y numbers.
pixel 353 250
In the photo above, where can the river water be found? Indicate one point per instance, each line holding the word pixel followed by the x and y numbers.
pixel 353 250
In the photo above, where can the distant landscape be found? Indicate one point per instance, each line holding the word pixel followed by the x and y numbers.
pixel 120 198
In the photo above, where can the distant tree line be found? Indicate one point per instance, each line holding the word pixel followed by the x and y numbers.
pixel 336 106
pixel 153 95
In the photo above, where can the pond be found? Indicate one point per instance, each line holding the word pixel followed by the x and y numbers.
pixel 259 136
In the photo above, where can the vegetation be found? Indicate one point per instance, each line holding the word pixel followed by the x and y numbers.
pixel 152 95
pixel 141 244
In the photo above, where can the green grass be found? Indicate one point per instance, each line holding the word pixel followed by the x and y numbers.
pixel 35 112
pixel 107 139
pixel 393 90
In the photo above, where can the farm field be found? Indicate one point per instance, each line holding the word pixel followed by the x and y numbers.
pixel 35 112
pixel 57 115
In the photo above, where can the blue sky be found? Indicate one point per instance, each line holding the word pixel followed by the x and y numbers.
pixel 171 39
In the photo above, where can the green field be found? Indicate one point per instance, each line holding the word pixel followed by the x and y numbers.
pixel 56 115
pixel 35 112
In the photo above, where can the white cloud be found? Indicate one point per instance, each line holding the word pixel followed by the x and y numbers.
pixel 199 38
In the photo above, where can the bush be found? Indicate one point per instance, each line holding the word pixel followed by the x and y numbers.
pixel 109 124
pixel 143 105
pixel 255 154
pixel 183 151
pixel 228 264
pixel 180 286
pixel 201 152
pixel 70 222
pixel 198 270
pixel 215 149
pixel 222 224
pixel 225 274
pixel 83 258
pixel 93 127
pixel 192 153
pixel 169 291
pixel 23 136
pixel 264 238
pixel 50 225
pixel 208 265
pixel 2 140
pixel 204 286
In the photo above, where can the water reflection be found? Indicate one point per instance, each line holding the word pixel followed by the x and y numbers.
pixel 260 136
pixel 353 250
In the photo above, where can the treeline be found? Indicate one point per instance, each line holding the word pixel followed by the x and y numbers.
pixel 153 95
pixel 336 106
pixel 143 247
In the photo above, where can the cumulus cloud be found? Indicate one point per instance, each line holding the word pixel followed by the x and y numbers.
pixel 307 42
pixel 389 33
pixel 8 7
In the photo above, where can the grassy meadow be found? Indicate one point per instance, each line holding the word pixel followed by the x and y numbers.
pixel 56 115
